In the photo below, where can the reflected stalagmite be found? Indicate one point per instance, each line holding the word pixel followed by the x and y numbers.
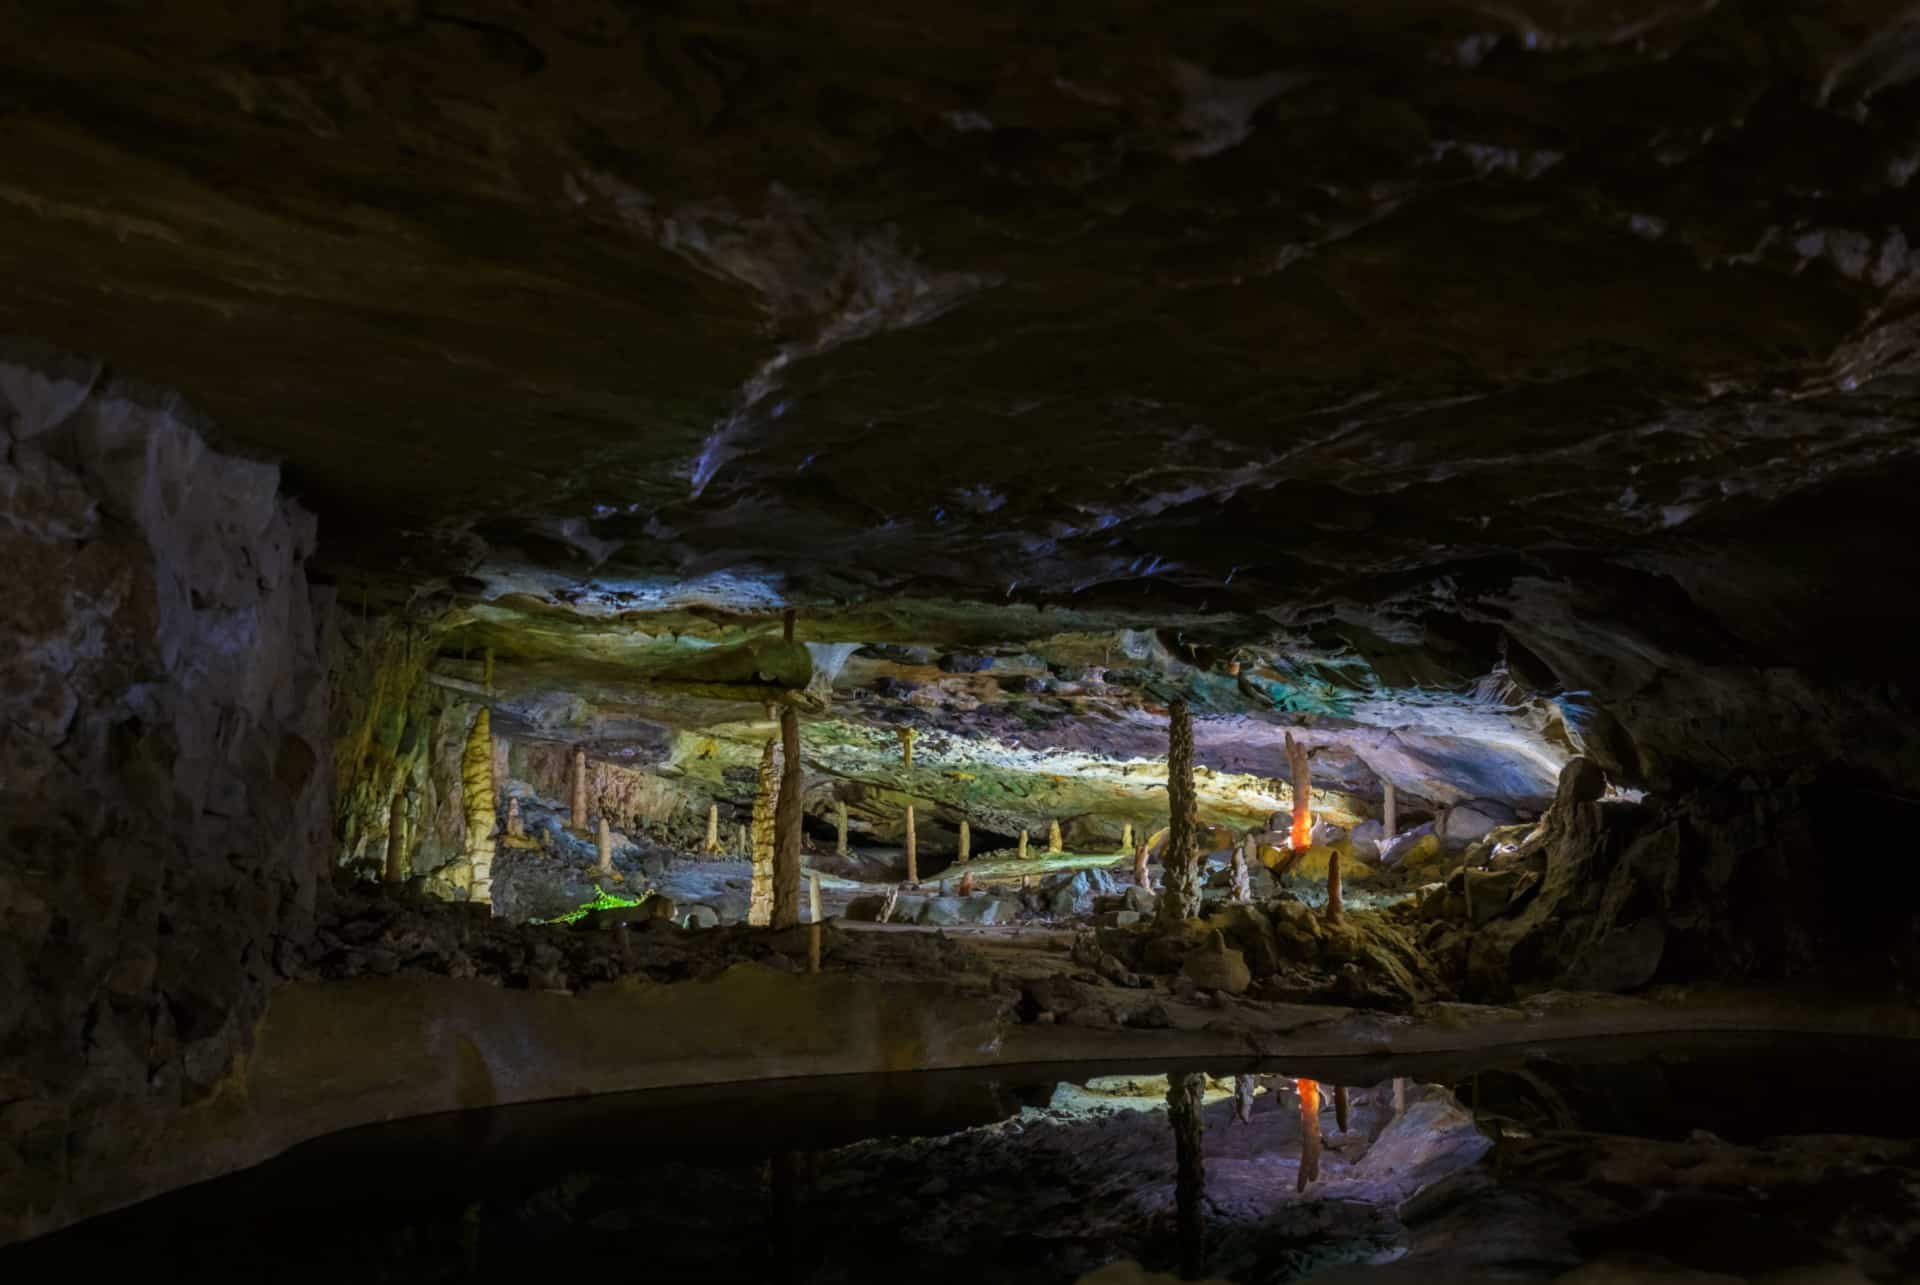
pixel 1309 1133
pixel 1180 897
pixel 1243 1090
pixel 786 852
pixel 396 870
pixel 760 895
pixel 1340 1106
pixel 1185 1096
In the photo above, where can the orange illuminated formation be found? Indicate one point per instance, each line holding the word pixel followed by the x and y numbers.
pixel 1301 836
pixel 1309 1132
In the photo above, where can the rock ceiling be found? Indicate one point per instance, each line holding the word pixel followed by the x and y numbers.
pixel 1576 340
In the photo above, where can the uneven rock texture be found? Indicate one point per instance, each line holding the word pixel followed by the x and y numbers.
pixel 166 779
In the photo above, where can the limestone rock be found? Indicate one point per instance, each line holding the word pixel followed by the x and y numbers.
pixel 1217 967
pixel 1488 892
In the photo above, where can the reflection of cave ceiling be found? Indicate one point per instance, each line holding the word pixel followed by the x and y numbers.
pixel 1577 338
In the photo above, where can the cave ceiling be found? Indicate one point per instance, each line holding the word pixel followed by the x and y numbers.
pixel 1571 342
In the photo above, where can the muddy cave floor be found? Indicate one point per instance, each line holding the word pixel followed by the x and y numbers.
pixel 1744 1157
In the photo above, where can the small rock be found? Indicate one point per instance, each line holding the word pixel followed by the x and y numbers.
pixel 1217 967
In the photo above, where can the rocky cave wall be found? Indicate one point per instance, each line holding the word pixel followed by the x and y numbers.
pixel 165 780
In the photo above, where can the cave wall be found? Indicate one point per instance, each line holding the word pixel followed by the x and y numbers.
pixel 165 778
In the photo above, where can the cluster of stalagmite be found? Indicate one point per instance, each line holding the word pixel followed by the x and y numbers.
pixel 476 801
pixel 1180 898
pixel 763 829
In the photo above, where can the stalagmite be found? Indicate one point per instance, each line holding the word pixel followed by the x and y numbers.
pixel 1335 910
pixel 744 842
pixel 1185 1090
pixel 1126 837
pixel 396 871
pixel 786 852
pixel 516 824
pixel 1239 875
pixel 966 884
pixel 1180 898
pixel 1309 1133
pixel 1023 845
pixel 579 818
pixel 603 841
pixel 1053 836
pixel 476 800
pixel 1243 1086
pixel 840 827
pixel 1140 876
pixel 760 896
pixel 1399 1096
pixel 1390 819
pixel 813 895
pixel 913 850
pixel 1340 1106
pixel 713 828
pixel 906 735
pixel 1300 836
pixel 966 842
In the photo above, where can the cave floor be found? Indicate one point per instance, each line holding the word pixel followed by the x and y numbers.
pixel 1636 1159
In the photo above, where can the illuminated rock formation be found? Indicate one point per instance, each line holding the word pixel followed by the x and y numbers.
pixel 760 902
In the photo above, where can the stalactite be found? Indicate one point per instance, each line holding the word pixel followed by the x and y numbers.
pixel 1126 837
pixel 1340 1104
pixel 913 853
pixel 1180 898
pixel 1309 1133
pixel 1140 877
pixel 1243 1087
pixel 760 896
pixel 713 829
pixel 1391 818
pixel 840 827
pixel 516 824
pixel 603 842
pixel 1053 836
pixel 786 853
pixel 1240 876
pixel 579 819
pixel 966 842
pixel 476 797
pixel 1023 845
pixel 396 871
pixel 1185 1090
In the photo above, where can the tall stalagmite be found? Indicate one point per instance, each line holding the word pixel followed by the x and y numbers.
pixel 1185 1093
pixel 913 849
pixel 840 827
pixel 713 828
pixel 476 801
pixel 1239 872
pixel 396 871
pixel 603 845
pixel 579 818
pixel 1023 846
pixel 1180 897
pixel 786 852
pixel 760 898
pixel 966 842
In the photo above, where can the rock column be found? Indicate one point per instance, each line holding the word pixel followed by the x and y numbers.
pixel 476 801
pixel 786 852
pixel 579 818
pixel 760 899
pixel 396 871
pixel 1180 898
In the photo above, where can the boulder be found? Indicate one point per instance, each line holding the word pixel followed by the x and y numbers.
pixel 1365 839
pixel 1217 967
pixel 698 916
pixel 1073 894
pixel 1138 898
pixel 1488 893
pixel 1405 845
pixel 1464 822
